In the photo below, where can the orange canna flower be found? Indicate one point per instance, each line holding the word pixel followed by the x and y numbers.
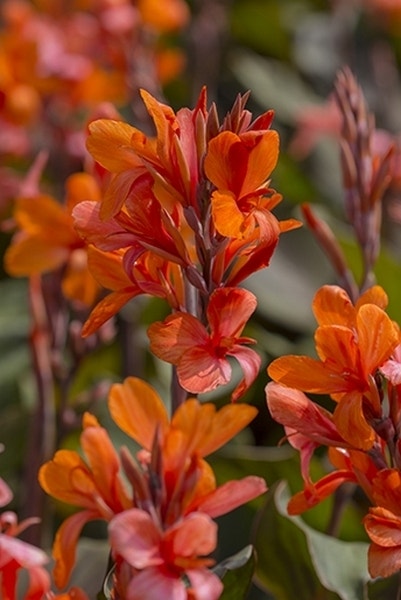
pixel 383 524
pixel 352 342
pixel 201 354
pixel 239 167
pixel 163 545
pixel 46 240
pixel 172 479
pixel 150 274
pixel 96 487
pixel 160 558
pixel 174 14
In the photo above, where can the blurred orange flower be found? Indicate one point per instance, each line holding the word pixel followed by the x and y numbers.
pixel 46 240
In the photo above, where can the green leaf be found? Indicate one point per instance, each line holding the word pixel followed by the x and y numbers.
pixel 340 566
pixel 236 573
pixel 284 566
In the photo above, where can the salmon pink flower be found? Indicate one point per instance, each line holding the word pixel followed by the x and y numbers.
pixel 161 558
pixel 352 342
pixel 16 555
pixel 201 354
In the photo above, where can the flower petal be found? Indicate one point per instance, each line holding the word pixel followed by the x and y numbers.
pixel 231 495
pixel 134 536
pixel 229 310
pixel 138 410
pixel 65 543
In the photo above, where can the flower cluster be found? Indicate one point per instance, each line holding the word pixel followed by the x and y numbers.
pixel 358 348
pixel 160 517
pixel 186 216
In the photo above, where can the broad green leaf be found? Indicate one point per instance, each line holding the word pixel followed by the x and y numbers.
pixel 284 566
pixel 340 566
pixel 236 573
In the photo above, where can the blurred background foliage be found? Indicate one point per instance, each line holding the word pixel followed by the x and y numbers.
pixel 287 53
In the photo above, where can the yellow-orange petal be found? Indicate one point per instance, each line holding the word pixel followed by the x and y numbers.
pixel 80 187
pixel 78 283
pixel 33 255
pixel 332 306
pixel 167 16
pixel 109 142
pixel 68 478
pixel 227 217
pixel 138 410
pixel 241 165
pixel 306 374
pixel 351 422
pixel 378 336
pixel 105 310
pixel 43 215
pixel 105 466
pixel 373 295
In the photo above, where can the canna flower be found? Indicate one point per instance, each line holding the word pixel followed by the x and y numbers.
pixel 161 558
pixel 352 342
pixel 172 480
pixel 200 354
pixel 149 275
pixel 239 167
pixel 95 486
pixel 46 240
pixel 194 431
pixel 383 524
pixel 16 555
